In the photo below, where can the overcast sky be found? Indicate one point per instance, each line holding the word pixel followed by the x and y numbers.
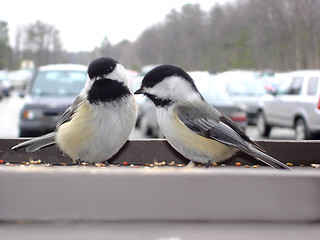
pixel 84 24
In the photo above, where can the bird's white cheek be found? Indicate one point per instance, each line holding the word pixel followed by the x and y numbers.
pixel 119 74
pixel 86 88
pixel 174 88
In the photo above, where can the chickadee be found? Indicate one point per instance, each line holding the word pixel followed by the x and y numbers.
pixel 99 121
pixel 193 127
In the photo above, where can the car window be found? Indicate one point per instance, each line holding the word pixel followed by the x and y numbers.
pixel 58 83
pixel 215 95
pixel 284 86
pixel 295 86
pixel 312 85
pixel 3 75
pixel 245 88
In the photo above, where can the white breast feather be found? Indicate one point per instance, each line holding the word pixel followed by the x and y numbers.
pixel 98 131
pixel 190 144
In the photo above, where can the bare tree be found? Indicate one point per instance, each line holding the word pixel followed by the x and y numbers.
pixel 5 50
pixel 252 34
pixel 42 43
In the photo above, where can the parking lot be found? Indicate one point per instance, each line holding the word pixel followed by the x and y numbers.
pixel 150 230
pixel 10 107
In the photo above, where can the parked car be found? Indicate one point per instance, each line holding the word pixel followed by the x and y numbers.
pixel 1 91
pixel 51 91
pixel 148 122
pixel 214 95
pixel 271 83
pixel 135 83
pixel 295 104
pixel 5 83
pixel 20 79
pixel 245 89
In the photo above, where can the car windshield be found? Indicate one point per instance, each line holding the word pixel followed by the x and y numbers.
pixel 3 75
pixel 215 95
pixel 246 88
pixel 58 83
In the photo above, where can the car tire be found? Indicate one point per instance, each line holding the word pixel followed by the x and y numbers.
pixel 301 130
pixel 23 133
pixel 264 129
pixel 28 133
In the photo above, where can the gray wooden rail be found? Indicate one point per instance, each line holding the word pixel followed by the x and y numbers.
pixel 140 152
pixel 37 193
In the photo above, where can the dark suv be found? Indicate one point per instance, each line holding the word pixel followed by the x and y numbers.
pixel 51 92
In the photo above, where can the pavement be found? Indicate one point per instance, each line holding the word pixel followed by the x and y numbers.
pixel 10 110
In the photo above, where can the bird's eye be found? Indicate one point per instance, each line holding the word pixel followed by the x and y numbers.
pixel 110 69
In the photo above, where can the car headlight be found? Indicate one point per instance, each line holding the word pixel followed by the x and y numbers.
pixel 32 114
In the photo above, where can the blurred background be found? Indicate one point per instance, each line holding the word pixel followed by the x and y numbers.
pixel 254 60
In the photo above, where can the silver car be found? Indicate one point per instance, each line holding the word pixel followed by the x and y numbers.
pixel 295 104
pixel 246 89
pixel 51 91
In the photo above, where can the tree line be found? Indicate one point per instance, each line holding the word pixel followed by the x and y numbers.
pixel 244 34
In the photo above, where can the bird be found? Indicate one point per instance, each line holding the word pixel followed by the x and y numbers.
pixel 99 121
pixel 194 128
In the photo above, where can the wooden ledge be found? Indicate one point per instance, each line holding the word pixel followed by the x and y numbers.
pixel 140 152
pixel 88 193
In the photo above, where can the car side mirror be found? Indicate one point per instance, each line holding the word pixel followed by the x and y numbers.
pixel 272 91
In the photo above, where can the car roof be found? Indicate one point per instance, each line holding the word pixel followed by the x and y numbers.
pixel 78 67
pixel 305 72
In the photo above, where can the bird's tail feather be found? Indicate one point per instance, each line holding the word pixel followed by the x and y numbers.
pixel 267 159
pixel 36 143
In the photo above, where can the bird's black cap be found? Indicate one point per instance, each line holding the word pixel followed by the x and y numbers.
pixel 101 66
pixel 161 72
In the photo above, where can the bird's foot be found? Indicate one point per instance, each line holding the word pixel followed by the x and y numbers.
pixel 190 164
pixel 209 163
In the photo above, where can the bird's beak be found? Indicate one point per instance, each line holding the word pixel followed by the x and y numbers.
pixel 139 91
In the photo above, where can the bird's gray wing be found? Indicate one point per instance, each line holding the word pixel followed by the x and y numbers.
pixel 238 130
pixel 211 124
pixel 67 115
